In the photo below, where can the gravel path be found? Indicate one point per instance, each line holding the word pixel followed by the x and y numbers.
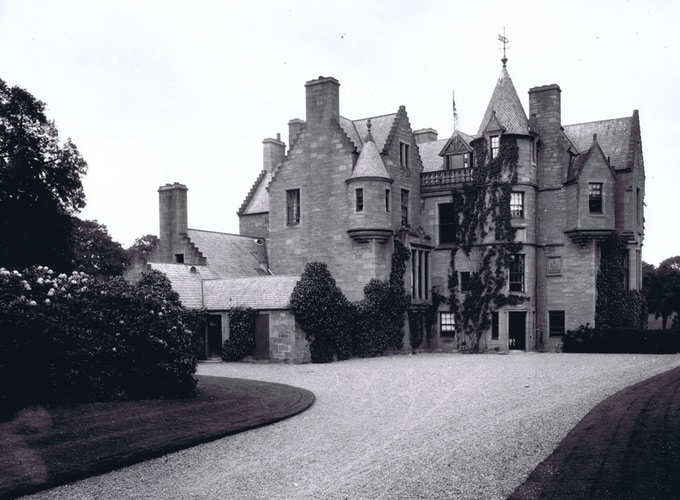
pixel 424 426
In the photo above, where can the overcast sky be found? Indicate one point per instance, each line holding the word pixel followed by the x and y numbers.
pixel 163 91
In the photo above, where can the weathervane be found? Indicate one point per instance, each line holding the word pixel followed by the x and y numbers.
pixel 502 38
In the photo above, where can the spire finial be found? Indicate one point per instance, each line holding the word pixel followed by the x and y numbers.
pixel 506 42
pixel 368 124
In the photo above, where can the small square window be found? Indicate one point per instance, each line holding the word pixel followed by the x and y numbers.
pixel 179 258
pixel 495 145
pixel 447 324
pixel 517 204
pixel 595 197
pixel 556 323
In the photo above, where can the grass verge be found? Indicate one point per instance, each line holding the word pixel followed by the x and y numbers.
pixel 47 446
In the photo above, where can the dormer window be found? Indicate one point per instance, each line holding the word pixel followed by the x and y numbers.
pixel 495 145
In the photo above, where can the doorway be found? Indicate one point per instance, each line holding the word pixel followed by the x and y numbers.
pixel 517 330
pixel 261 336
pixel 214 341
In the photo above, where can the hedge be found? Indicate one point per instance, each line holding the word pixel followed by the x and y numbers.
pixel 622 340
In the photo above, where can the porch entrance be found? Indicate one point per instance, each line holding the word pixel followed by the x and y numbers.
pixel 261 336
pixel 517 330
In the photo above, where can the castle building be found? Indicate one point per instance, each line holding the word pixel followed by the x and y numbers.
pixel 344 191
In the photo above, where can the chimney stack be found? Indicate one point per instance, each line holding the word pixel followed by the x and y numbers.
pixel 323 101
pixel 172 203
pixel 273 151
pixel 425 135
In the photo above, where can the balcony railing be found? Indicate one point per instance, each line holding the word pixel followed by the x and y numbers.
pixel 440 178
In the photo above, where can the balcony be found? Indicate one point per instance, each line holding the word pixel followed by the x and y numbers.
pixel 444 179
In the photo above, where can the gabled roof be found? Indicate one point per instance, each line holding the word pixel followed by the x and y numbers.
pixel 369 163
pixel 581 160
pixel 380 129
pixel 230 254
pixel 457 143
pixel 266 292
pixel 186 281
pixel 615 137
pixel 507 107
pixel 257 199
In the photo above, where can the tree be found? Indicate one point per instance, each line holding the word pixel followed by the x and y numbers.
pixel 142 246
pixel 94 251
pixel 487 239
pixel 662 288
pixel 40 184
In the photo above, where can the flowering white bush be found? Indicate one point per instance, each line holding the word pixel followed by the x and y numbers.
pixel 73 337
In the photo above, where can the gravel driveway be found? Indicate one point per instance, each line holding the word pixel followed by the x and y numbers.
pixel 423 426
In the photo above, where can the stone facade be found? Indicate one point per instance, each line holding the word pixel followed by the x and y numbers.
pixel 576 184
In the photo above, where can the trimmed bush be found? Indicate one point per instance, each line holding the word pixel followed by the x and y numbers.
pixel 586 339
pixel 241 341
pixel 324 314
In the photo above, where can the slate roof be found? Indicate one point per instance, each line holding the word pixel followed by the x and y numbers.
pixel 369 163
pixel 613 136
pixel 429 155
pixel 358 129
pixel 186 281
pixel 257 199
pixel 265 292
pixel 230 255
pixel 507 107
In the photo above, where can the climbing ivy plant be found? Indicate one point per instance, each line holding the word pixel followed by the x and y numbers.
pixel 486 238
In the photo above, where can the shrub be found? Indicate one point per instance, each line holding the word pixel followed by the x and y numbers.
pixel 241 341
pixel 75 338
pixel 621 340
pixel 380 319
pixel 323 312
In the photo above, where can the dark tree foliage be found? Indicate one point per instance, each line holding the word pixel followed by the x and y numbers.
pixel 661 287
pixel 616 307
pixel 94 251
pixel 241 341
pixel 40 184
pixel 142 246
pixel 487 239
pixel 323 312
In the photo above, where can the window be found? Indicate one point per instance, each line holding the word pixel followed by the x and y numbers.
pixel 292 207
pixel 495 144
pixel 595 197
pixel 359 200
pixel 387 200
pixel 447 324
pixel 465 281
pixel 517 273
pixel 517 204
pixel 556 323
pixel 447 223
pixel 404 155
pixel 420 262
pixel 495 326
pixel 404 207
pixel 179 258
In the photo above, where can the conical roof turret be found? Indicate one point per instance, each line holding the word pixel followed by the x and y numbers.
pixel 369 163
pixel 505 109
